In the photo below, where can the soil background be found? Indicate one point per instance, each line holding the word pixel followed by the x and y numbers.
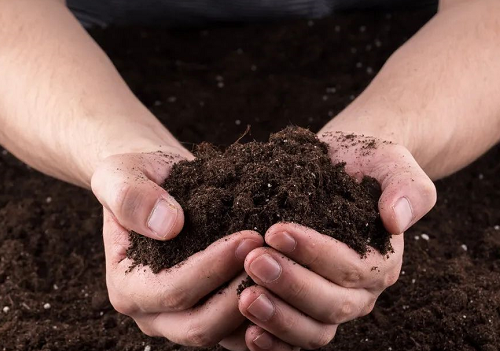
pixel 207 85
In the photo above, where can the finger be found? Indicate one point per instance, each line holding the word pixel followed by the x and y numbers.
pixel 178 288
pixel 407 192
pixel 203 326
pixel 236 341
pixel 334 260
pixel 126 186
pixel 258 339
pixel 283 321
pixel 305 290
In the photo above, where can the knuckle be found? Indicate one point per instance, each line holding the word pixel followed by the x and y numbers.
pixel 126 201
pixel 176 300
pixel 344 313
pixel 297 288
pixel 391 279
pixel 121 305
pixel 352 277
pixel 369 307
pixel 200 336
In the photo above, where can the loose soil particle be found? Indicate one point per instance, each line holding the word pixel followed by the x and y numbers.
pixel 254 185
pixel 51 250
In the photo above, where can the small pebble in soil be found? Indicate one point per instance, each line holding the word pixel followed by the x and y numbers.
pixel 378 43
pixel 237 122
pixel 359 65
pixel 157 103
pixel 220 84
pixel 6 309
pixel 480 176
pixel 362 29
pixel 172 99
pixel 219 78
pixel 369 70
pixel 331 90
pixel 325 97
pixel 253 68
pixel 464 247
pixel 47 306
pixel 48 200
pixel 425 236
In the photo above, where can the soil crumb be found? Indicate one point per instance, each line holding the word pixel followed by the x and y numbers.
pixel 245 283
pixel 254 185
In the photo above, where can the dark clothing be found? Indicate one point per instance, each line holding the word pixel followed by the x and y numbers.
pixel 198 12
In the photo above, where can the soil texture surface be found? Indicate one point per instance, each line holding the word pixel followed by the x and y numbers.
pixel 208 85
pixel 254 185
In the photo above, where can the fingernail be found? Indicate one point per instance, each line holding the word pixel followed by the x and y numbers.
pixel 245 247
pixel 266 268
pixel 262 308
pixel 403 213
pixel 263 341
pixel 162 218
pixel 285 242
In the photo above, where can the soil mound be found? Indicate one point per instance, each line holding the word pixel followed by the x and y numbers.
pixel 254 185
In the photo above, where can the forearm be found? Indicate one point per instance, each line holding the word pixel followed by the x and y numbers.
pixel 63 106
pixel 438 94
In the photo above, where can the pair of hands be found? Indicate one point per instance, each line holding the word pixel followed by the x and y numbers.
pixel 291 306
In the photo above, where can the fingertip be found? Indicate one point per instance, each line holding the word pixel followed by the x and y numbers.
pixel 258 339
pixel 166 218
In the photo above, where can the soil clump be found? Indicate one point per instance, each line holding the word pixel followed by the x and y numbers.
pixel 253 185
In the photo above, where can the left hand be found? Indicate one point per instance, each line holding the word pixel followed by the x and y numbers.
pixel 293 306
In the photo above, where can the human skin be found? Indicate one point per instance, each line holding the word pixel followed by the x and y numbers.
pixel 436 99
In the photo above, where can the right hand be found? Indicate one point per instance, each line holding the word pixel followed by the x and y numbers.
pixel 166 304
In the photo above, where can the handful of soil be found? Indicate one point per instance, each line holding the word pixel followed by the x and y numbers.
pixel 255 185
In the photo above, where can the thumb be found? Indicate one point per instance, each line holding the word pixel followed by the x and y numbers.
pixel 138 203
pixel 407 192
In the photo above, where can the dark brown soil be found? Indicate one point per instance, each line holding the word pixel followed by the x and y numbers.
pixel 50 232
pixel 254 185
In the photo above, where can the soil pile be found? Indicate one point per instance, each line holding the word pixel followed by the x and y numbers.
pixel 254 185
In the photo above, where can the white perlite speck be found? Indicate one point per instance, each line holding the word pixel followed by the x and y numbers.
pixel 425 236
pixel 237 122
pixel 220 85
pixel 47 306
pixel 464 247
pixel 497 227
pixel 6 309
pixel 147 348
pixel 417 237
pixel 48 200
